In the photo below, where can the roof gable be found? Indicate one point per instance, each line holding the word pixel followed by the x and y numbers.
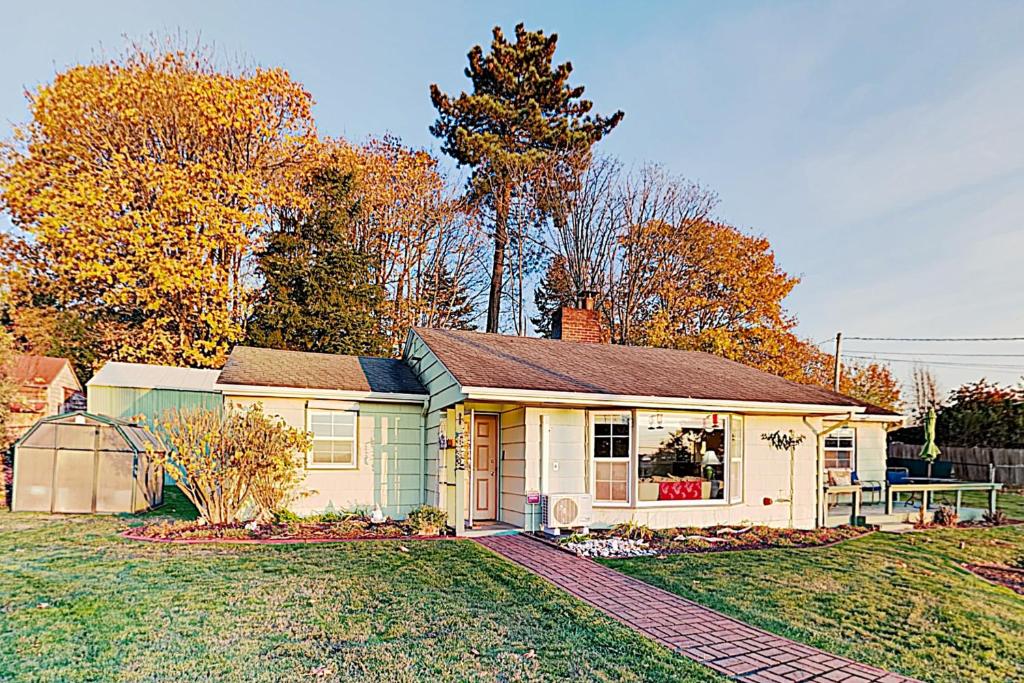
pixel 495 361
pixel 40 371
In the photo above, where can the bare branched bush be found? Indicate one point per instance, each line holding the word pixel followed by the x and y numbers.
pixel 222 461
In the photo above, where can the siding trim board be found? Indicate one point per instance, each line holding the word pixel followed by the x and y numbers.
pixel 626 402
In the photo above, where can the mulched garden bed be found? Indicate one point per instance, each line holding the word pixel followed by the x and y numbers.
pixel 275 532
pixel 627 541
pixel 1010 577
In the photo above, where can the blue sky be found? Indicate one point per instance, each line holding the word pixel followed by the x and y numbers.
pixel 879 146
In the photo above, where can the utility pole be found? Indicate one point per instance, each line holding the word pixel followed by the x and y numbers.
pixel 839 362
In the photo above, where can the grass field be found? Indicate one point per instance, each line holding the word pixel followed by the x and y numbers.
pixel 77 603
pixel 900 602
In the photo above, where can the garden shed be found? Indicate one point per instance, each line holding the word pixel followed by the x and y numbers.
pixel 80 462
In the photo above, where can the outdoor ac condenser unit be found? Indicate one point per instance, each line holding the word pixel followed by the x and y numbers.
pixel 567 511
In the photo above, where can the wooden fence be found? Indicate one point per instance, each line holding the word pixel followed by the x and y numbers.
pixel 1004 465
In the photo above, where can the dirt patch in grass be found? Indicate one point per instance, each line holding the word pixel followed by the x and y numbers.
pixel 1010 577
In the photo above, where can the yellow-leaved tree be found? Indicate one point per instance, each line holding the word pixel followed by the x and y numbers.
pixel 139 189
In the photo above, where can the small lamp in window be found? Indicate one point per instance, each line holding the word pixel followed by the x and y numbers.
pixel 710 459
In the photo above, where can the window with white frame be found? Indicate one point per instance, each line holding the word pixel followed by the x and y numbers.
pixel 610 446
pixel 334 438
pixel 840 449
pixel 682 457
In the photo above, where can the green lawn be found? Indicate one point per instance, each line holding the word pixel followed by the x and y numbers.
pixel 896 601
pixel 77 603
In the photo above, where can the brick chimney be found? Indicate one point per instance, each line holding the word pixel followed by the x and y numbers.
pixel 580 323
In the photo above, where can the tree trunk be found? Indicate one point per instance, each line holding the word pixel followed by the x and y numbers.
pixel 497 271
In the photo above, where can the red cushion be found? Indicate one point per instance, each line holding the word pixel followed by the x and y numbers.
pixel 679 490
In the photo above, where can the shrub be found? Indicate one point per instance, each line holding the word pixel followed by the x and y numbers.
pixel 286 517
pixel 997 518
pixel 945 515
pixel 334 516
pixel 427 520
pixel 220 461
pixel 633 529
pixel 273 452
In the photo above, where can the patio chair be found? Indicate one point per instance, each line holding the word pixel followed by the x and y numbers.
pixel 899 475
pixel 836 476
pixel 869 485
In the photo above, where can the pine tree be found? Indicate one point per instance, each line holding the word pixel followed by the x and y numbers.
pixel 522 115
pixel 318 292
pixel 453 303
pixel 554 291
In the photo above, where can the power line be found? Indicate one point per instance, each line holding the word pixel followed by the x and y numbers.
pixel 952 364
pixel 939 353
pixel 937 339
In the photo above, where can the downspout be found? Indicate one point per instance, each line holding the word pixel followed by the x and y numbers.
pixel 819 512
pixel 423 451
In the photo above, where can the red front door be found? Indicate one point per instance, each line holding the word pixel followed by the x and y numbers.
pixel 485 467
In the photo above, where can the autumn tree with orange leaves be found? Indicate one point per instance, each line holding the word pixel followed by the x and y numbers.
pixel 667 274
pixel 424 238
pixel 139 189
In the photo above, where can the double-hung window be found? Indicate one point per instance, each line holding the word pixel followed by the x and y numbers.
pixel 840 449
pixel 610 445
pixel 334 439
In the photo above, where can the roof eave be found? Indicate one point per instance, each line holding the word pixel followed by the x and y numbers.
pixel 257 390
pixel 665 402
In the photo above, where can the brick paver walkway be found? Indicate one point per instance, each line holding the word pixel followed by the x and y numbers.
pixel 726 645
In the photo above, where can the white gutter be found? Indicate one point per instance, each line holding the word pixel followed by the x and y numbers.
pixel 589 399
pixel 897 420
pixel 303 392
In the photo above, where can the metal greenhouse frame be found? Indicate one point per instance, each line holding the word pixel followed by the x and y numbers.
pixel 83 463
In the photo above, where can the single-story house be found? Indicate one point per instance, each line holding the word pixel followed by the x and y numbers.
pixel 46 386
pixel 491 428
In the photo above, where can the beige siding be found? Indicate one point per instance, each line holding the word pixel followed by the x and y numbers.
pixel 870 450
pixel 766 476
pixel 765 472
pixel 565 437
pixel 388 464
pixel 65 379
pixel 516 469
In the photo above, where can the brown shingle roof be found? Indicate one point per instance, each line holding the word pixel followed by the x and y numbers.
pixel 37 371
pixel 505 362
pixel 298 369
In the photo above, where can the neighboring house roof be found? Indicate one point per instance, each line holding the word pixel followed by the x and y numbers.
pixel 477 359
pixel 40 371
pixel 143 376
pixel 302 370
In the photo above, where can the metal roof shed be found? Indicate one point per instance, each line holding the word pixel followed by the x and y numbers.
pixel 135 390
pixel 79 462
